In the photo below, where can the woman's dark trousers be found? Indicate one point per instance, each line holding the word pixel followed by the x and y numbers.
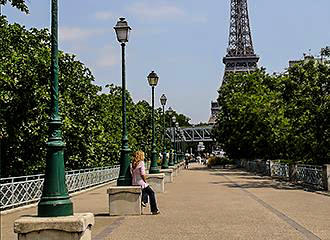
pixel 149 192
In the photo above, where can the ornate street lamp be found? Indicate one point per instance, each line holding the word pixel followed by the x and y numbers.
pixel 174 141
pixel 177 144
pixel 163 101
pixel 125 179
pixel 55 200
pixel 182 145
pixel 178 129
pixel 153 80
pixel 171 155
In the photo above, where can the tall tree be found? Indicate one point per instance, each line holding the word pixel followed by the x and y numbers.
pixel 277 117
pixel 19 4
pixel 91 118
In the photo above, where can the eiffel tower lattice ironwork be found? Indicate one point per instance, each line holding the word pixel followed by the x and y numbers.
pixel 240 55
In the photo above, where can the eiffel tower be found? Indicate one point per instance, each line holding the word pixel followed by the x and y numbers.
pixel 240 55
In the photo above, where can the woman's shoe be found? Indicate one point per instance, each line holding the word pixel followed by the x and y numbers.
pixel 143 204
pixel 155 213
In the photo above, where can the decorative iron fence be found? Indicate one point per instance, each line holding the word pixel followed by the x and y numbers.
pixel 280 170
pixel 258 166
pixel 17 191
pixel 310 175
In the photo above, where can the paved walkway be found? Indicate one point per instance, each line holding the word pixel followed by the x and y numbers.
pixel 210 204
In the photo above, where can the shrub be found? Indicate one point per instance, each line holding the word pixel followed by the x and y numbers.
pixel 215 161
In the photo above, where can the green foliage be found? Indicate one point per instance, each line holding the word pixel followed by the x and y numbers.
pixel 325 52
pixel 92 121
pixel 218 161
pixel 180 118
pixel 23 97
pixel 276 117
pixel 19 4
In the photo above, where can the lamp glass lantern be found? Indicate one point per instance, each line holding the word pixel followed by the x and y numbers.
pixel 163 100
pixel 153 79
pixel 122 30
pixel 170 111
pixel 173 119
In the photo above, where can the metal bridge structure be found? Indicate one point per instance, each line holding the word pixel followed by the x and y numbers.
pixel 190 134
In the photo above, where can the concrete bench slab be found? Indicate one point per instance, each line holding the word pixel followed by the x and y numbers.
pixel 76 227
pixel 156 182
pixel 168 175
pixel 175 172
pixel 124 200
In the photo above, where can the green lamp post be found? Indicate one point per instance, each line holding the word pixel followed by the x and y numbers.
pixel 181 145
pixel 55 200
pixel 177 144
pixel 174 141
pixel 171 155
pixel 163 101
pixel 153 80
pixel 125 179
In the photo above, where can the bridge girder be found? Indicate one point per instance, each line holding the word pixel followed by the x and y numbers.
pixel 191 134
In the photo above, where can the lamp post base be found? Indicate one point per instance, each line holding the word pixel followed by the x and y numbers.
pixel 165 162
pixel 154 170
pixel 54 207
pixel 170 162
pixel 125 178
pixel 154 166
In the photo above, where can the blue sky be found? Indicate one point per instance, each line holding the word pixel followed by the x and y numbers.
pixel 183 41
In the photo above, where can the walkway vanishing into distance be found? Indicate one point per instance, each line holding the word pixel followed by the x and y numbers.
pixel 210 204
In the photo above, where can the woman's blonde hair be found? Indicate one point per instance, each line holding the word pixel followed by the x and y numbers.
pixel 138 156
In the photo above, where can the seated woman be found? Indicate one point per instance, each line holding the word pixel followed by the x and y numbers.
pixel 139 179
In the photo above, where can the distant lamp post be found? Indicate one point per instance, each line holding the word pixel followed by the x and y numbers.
pixel 163 101
pixel 55 200
pixel 177 144
pixel 153 80
pixel 171 155
pixel 182 144
pixel 125 179
pixel 174 140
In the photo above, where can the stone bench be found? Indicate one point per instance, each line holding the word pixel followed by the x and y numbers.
pixel 175 172
pixel 124 200
pixel 168 174
pixel 76 227
pixel 156 182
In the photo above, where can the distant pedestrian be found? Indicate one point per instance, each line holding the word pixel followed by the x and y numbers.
pixel 199 159
pixel 186 166
pixel 139 179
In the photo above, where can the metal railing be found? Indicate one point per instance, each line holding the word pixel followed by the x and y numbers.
pixel 280 170
pixel 310 175
pixel 257 166
pixel 17 191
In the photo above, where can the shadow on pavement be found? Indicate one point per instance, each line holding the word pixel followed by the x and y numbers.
pixel 264 184
pixel 253 181
pixel 105 214
pixel 201 168
pixel 233 173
